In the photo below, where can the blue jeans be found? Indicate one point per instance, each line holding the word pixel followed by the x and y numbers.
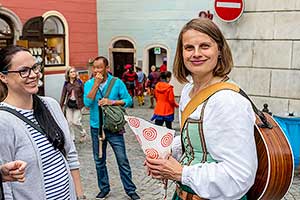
pixel 118 145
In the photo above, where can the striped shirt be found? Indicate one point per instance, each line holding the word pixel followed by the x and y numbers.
pixel 56 178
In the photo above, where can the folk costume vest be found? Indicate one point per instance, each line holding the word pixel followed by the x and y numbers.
pixel 194 147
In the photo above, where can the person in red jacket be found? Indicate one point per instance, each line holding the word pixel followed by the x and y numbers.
pixel 130 78
pixel 165 101
pixel 163 67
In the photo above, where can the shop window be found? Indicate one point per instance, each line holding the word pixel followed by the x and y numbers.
pixel 54 34
pixel 6 32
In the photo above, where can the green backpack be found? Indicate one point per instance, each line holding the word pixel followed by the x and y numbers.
pixel 114 120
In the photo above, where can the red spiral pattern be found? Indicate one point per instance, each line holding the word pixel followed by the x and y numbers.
pixel 151 153
pixel 166 140
pixel 150 134
pixel 138 139
pixel 134 122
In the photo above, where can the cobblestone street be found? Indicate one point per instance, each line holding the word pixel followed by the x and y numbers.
pixel 147 188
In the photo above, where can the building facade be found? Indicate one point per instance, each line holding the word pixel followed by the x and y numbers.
pixel 57 33
pixel 264 42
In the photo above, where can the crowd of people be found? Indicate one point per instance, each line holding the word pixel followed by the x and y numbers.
pixel 37 150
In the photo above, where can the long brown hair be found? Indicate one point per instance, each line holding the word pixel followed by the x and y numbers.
pixel 41 112
pixel 206 26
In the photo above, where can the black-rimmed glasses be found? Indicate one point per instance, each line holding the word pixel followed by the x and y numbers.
pixel 26 71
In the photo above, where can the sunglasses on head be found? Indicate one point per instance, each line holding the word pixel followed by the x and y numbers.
pixel 26 71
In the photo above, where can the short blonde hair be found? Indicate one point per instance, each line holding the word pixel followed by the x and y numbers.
pixel 206 26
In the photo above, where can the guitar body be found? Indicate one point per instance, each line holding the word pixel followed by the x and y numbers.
pixel 275 163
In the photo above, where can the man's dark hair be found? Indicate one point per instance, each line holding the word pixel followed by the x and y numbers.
pixel 105 61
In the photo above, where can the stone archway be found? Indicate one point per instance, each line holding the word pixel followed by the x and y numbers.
pixel 121 52
pixel 16 23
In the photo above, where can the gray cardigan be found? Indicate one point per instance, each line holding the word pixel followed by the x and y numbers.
pixel 16 143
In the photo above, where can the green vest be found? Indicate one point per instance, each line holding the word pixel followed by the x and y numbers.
pixel 192 150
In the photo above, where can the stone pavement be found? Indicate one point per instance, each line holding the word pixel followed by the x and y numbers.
pixel 147 188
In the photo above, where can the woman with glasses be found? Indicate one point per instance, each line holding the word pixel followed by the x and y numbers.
pixel 43 142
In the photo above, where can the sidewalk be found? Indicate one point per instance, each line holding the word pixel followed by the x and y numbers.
pixel 147 188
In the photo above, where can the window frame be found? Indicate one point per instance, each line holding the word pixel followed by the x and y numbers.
pixel 52 36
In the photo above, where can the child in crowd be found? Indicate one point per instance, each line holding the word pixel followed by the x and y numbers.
pixel 165 101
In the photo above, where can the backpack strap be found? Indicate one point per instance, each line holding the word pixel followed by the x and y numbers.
pixel 22 117
pixel 111 84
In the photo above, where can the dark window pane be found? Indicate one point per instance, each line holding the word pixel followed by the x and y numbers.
pixel 123 44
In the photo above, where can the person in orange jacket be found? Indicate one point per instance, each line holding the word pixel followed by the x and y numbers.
pixel 165 101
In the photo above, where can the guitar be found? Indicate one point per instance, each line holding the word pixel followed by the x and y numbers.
pixel 275 158
pixel 275 162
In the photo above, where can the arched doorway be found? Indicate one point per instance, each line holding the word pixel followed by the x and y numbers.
pixel 155 54
pixel 122 53
pixel 10 27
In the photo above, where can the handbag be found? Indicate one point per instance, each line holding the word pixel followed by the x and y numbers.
pixel 72 104
pixel 114 120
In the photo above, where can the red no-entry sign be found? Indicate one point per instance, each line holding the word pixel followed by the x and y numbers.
pixel 229 10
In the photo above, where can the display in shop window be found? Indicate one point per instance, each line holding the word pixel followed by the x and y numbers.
pixel 54 51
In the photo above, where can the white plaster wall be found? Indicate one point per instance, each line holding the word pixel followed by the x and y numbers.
pixel 266 52
pixel 269 5
pixel 296 55
pixel 285 83
pixel 242 52
pixel 272 54
pixel 56 80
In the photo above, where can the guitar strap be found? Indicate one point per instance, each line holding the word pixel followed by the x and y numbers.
pixel 212 89
pixel 204 95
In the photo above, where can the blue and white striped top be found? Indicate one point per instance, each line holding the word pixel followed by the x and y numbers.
pixel 56 178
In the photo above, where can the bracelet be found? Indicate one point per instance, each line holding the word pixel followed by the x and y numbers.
pixel 113 102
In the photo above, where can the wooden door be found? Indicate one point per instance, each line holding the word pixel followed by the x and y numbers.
pixel 120 60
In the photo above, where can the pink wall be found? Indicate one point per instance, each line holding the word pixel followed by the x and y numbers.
pixel 80 15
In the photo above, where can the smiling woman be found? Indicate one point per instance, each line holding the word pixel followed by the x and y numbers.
pixel 217 139
pixel 44 137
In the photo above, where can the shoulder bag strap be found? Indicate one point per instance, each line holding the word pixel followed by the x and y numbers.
pixel 22 117
pixel 111 84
